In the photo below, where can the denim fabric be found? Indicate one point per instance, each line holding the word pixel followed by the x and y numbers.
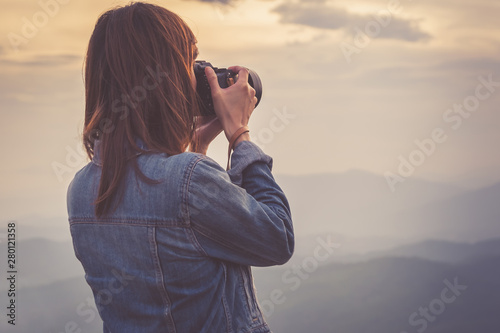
pixel 175 256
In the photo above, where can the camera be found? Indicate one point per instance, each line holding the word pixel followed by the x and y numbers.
pixel 224 77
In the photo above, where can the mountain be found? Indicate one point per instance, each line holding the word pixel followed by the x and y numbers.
pixel 60 307
pixel 377 296
pixel 361 205
pixel 473 215
pixel 384 295
pixel 433 250
pixel 387 255
pixel 41 261
pixel 357 203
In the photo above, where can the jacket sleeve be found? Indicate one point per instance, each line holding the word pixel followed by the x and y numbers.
pixel 242 215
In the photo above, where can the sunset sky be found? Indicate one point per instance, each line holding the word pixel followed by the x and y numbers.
pixel 347 85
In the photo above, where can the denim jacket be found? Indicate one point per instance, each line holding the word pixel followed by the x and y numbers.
pixel 175 256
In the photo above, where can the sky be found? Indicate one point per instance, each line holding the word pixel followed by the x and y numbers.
pixel 397 88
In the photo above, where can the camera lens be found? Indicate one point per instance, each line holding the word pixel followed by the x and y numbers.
pixel 203 87
pixel 254 81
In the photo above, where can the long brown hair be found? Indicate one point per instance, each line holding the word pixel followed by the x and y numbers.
pixel 137 86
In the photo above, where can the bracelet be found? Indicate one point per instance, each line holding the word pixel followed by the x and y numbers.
pixel 236 135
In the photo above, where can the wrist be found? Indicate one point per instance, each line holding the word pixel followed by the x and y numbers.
pixel 230 130
pixel 239 135
pixel 231 126
pixel 243 137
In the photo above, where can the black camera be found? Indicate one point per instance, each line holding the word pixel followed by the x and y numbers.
pixel 224 77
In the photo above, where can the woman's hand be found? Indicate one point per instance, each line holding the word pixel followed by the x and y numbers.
pixel 207 129
pixel 233 105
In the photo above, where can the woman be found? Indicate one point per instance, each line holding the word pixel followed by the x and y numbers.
pixel 167 237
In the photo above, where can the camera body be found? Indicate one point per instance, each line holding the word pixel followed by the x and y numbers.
pixel 223 77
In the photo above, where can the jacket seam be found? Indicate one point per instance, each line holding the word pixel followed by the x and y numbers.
pixel 160 280
pixel 185 199
pixel 119 221
pixel 194 241
pixel 250 297
pixel 224 304
pixel 254 291
pixel 189 174
pixel 263 325
pixel 202 230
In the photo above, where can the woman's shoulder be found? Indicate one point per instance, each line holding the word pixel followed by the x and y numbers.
pixel 186 163
pixel 185 159
pixel 197 163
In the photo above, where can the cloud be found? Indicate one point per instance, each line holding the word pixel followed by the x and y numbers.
pixel 318 14
pixel 42 60
pixel 476 65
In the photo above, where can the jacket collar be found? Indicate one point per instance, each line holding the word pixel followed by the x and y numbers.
pixel 97 159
